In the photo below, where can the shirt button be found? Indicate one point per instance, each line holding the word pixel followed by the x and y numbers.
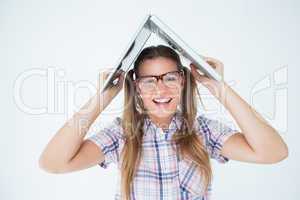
pixel 166 135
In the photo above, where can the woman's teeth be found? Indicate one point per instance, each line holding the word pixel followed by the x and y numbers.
pixel 162 100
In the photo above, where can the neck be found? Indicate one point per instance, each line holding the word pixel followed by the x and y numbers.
pixel 161 122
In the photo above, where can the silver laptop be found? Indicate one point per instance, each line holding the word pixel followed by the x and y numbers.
pixel 152 24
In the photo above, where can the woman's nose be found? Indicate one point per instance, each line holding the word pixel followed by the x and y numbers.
pixel 161 86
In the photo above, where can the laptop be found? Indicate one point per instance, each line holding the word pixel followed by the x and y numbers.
pixel 151 24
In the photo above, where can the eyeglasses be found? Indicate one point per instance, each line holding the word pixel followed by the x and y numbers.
pixel 149 83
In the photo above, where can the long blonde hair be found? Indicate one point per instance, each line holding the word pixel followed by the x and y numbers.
pixel 133 121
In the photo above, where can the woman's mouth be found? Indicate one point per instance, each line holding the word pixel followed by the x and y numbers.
pixel 162 101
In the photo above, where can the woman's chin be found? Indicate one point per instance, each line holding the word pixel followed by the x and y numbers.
pixel 162 113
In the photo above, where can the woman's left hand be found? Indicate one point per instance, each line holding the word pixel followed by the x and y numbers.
pixel 250 144
pixel 215 87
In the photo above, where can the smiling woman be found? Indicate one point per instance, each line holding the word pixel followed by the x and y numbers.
pixel 155 93
pixel 160 145
pixel 158 62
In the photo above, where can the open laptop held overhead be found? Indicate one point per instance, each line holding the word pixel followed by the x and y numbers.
pixel 152 24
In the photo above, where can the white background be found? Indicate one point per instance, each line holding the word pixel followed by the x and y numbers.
pixel 256 41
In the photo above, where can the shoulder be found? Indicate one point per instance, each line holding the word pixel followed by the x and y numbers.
pixel 202 122
pixel 206 125
pixel 112 128
pixel 214 134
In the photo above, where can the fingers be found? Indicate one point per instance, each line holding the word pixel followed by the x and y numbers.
pixel 120 78
pixel 121 75
pixel 194 71
pixel 104 74
pixel 216 64
pixel 194 68
pixel 213 61
pixel 197 74
pixel 118 81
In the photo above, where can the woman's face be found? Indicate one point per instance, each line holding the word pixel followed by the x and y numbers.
pixel 161 98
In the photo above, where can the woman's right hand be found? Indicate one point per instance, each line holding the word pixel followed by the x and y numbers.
pixel 109 94
pixel 66 151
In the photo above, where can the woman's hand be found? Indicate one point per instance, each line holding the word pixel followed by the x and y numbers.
pixel 212 85
pixel 109 94
pixel 257 142
pixel 66 151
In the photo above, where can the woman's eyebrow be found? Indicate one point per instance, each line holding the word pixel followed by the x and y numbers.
pixel 157 75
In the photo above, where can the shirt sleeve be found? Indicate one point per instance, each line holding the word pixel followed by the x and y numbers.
pixel 108 140
pixel 214 134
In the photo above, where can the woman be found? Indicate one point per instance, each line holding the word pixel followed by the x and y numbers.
pixel 160 145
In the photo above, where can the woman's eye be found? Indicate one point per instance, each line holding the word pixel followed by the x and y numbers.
pixel 148 81
pixel 170 78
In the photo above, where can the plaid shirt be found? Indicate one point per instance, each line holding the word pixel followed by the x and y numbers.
pixel 162 174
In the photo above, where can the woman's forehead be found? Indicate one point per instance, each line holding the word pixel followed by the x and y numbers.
pixel 157 66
